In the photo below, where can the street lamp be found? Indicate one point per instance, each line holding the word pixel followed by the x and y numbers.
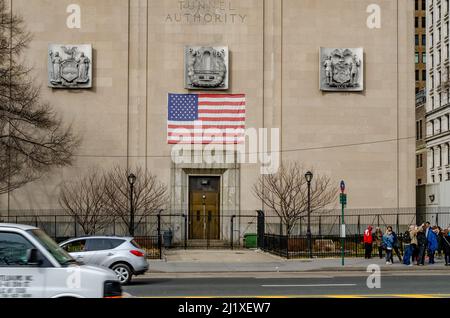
pixel 309 177
pixel 131 180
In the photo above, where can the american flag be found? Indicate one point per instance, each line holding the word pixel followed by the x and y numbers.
pixel 206 119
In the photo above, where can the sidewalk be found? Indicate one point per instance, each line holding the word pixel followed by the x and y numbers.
pixel 254 261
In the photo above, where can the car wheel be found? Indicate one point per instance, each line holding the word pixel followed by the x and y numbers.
pixel 123 273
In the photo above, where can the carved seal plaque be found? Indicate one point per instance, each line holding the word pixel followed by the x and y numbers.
pixel 70 66
pixel 342 69
pixel 206 68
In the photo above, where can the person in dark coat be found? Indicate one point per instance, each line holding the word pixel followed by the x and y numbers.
pixel 446 246
pixel 432 243
pixel 396 245
pixel 422 243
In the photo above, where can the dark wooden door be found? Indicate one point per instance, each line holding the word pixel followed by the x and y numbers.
pixel 204 208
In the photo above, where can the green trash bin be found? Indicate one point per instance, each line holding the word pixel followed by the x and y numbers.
pixel 251 240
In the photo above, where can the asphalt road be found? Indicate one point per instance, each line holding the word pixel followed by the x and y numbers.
pixel 397 285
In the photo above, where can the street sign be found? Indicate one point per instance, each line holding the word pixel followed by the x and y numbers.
pixel 342 186
pixel 343 199
pixel 343 231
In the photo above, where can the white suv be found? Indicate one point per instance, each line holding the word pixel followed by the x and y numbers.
pixel 32 265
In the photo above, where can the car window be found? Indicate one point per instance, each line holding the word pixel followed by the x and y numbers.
pixel 98 245
pixel 116 242
pixel 58 253
pixel 75 246
pixel 135 244
pixel 13 249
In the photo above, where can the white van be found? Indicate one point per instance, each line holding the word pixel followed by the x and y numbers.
pixel 32 265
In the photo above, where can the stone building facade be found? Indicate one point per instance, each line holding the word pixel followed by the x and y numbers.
pixel 364 137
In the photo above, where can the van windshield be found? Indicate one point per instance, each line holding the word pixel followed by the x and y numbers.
pixel 57 252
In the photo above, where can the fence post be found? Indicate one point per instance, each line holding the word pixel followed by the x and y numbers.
pixel 378 216
pixel 232 231
pixel 320 225
pixel 398 223
pixel 359 224
pixel 261 229
pixel 55 226
pixel 159 235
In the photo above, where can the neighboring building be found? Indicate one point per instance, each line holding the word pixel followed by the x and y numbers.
pixel 363 138
pixel 433 196
pixel 438 92
pixel 420 76
pixel 420 57
pixel 421 146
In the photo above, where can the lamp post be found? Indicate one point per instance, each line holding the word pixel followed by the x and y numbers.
pixel 131 180
pixel 309 177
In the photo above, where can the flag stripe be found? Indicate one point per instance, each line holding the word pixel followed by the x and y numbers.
pixel 206 118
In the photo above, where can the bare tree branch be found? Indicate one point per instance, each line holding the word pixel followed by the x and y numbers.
pixel 149 195
pixel 286 193
pixel 32 138
pixel 85 200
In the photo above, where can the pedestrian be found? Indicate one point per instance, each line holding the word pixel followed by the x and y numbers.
pixel 440 249
pixel 446 244
pixel 421 244
pixel 396 245
pixel 379 241
pixel 409 248
pixel 432 243
pixel 413 229
pixel 368 242
pixel 388 242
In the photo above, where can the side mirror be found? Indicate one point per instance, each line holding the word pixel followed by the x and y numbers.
pixel 34 257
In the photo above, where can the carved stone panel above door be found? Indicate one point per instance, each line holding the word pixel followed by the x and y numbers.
pixel 206 68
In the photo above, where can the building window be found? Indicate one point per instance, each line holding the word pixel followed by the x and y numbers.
pixel 424 22
pixel 417 58
pixel 424 39
pixel 417 39
pixel 416 22
pixel 417 76
pixel 424 5
pixel 419 181
pixel 433 179
pixel 424 75
pixel 420 129
pixel 448 176
pixel 432 159
pixel 417 5
pixel 440 177
pixel 448 154
pixel 424 57
pixel 440 156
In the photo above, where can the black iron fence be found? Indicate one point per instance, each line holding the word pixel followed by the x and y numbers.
pixel 229 229
pixel 322 246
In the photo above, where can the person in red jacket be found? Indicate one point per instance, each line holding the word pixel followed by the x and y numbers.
pixel 368 242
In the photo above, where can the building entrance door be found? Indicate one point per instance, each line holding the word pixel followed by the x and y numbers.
pixel 204 212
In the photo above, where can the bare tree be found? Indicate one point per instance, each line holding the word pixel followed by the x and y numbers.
pixel 286 193
pixel 149 196
pixel 32 138
pixel 85 200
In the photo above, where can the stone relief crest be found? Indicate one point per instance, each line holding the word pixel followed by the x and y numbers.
pixel 70 66
pixel 206 68
pixel 342 69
